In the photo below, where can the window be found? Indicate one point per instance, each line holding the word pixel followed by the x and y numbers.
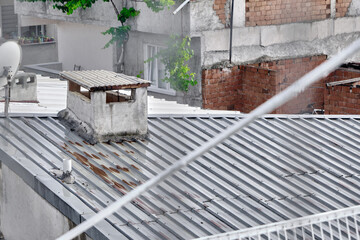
pixel 154 71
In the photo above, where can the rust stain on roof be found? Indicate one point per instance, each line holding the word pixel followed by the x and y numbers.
pixel 101 173
pixel 77 143
pixel 105 167
pixel 135 167
pixel 95 156
pixel 87 154
pixel 116 154
pixel 103 155
pixel 113 170
pixel 125 169
pixel 81 158
pixel 119 186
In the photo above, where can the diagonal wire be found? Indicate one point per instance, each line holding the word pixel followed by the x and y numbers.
pixel 292 91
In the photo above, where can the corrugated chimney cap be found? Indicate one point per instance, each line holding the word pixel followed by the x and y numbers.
pixel 102 80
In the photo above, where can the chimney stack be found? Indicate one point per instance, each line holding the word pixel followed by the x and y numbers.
pixel 104 105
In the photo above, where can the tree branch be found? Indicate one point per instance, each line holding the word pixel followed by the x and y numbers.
pixel 115 8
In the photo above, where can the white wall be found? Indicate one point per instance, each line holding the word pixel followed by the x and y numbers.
pixel 26 215
pixel 82 44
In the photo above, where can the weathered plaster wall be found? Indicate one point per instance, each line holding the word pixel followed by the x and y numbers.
pixel 354 8
pixel 24 214
pixel 82 44
pixel 151 22
pixel 108 120
pixel 100 13
pixel 251 44
pixel 39 53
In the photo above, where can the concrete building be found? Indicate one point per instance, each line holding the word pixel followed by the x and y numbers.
pixel 264 32
pixel 36 36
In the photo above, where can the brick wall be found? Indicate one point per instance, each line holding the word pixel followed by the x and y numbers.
pixel 257 86
pixel 342 99
pixel 219 8
pixel 220 88
pixel 342 7
pixel 251 85
pixel 268 12
pixel 243 88
pixel 290 70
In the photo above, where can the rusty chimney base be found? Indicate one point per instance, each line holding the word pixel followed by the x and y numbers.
pixel 84 130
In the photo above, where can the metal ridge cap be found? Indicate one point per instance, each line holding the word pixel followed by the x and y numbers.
pixel 205 115
pixel 29 115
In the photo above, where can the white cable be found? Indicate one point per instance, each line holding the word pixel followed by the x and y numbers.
pixel 181 6
pixel 292 91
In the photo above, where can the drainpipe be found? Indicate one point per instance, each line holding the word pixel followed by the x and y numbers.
pixel 231 28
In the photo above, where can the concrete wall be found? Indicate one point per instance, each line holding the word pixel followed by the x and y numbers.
pixel 253 44
pixel 82 44
pixel 354 8
pixel 24 214
pixel 101 13
pixel 150 22
pixel 4 3
pixel 120 118
pixel 39 53
pixel 107 120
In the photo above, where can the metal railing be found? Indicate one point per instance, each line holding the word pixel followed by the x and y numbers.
pixel 338 224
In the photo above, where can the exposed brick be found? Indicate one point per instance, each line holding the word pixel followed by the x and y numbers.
pixel 284 11
pixel 244 88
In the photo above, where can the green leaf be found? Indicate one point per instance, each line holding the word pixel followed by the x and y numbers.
pixel 118 35
pixel 175 58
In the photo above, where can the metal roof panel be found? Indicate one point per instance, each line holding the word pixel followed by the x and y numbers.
pixel 278 168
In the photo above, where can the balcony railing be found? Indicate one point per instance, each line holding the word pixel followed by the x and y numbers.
pixel 338 224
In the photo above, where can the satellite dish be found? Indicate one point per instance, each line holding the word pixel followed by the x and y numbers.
pixel 10 59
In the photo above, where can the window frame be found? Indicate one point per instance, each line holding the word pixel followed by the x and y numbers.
pixel 152 88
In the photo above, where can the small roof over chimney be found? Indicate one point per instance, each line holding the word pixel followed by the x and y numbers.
pixel 102 80
pixel 104 105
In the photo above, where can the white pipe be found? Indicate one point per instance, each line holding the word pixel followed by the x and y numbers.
pixel 299 86
pixel 181 6
pixel 67 166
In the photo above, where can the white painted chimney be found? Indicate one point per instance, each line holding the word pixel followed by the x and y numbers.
pixel 99 109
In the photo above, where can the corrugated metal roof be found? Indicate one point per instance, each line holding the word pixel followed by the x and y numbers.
pixel 96 80
pixel 278 168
